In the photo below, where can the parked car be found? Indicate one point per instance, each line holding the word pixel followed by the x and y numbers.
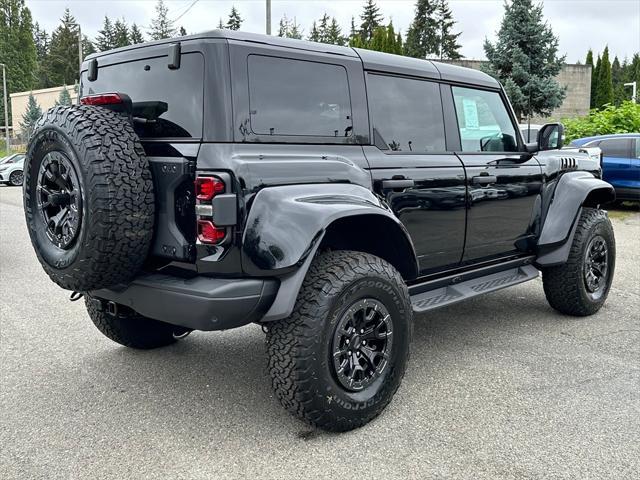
pixel 326 193
pixel 620 161
pixel 11 168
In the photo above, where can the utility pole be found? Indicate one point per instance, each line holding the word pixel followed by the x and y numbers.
pixel 268 17
pixel 634 95
pixel 6 108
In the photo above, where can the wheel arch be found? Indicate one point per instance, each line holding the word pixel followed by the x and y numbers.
pixel 574 191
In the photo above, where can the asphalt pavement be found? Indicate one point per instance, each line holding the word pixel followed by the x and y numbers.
pixel 498 387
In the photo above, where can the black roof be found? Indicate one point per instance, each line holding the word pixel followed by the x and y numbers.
pixel 372 60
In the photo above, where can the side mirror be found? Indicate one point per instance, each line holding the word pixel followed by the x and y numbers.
pixel 551 137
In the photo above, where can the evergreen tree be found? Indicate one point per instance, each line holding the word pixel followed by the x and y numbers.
pixel 221 25
pixel 17 48
pixel 41 41
pixel 64 98
pixel 105 40
pixel 617 79
pixel 589 61
pixel 448 46
pixel 334 33
pixel 423 32
pixel 235 20
pixel 121 36
pixel 62 62
pixel 161 26
pixel 323 29
pixel 386 40
pixel 594 81
pixel 30 117
pixel 604 92
pixel 135 35
pixel 289 28
pixel 87 46
pixel 371 18
pixel 525 59
pixel 314 35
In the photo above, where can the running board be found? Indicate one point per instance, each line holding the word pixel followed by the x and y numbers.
pixel 457 292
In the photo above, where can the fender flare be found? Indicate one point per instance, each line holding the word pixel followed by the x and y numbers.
pixel 286 225
pixel 574 191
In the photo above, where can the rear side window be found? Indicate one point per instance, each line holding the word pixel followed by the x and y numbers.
pixel 167 103
pixel 406 114
pixel 484 122
pixel 297 97
pixel 616 147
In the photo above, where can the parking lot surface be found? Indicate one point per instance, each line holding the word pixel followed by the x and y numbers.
pixel 501 386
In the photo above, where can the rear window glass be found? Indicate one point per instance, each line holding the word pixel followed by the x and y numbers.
pixel 167 103
pixel 406 114
pixel 296 97
pixel 616 147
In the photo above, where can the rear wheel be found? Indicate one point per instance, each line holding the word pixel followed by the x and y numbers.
pixel 581 285
pixel 16 178
pixel 339 359
pixel 128 328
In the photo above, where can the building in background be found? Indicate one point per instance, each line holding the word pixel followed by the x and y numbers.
pixel 577 79
pixel 45 97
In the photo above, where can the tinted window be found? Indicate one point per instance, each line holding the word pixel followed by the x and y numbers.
pixel 295 97
pixel 406 114
pixel 168 102
pixel 616 147
pixel 484 122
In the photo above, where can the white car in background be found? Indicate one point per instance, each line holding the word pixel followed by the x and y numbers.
pixel 11 169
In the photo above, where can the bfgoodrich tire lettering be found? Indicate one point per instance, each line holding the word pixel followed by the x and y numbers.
pixel 569 288
pixel 300 348
pixel 113 199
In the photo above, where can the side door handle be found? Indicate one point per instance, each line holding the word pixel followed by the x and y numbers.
pixel 398 183
pixel 484 179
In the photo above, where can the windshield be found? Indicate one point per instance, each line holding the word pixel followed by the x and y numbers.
pixel 15 158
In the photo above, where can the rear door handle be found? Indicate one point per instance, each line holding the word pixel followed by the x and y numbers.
pixel 484 179
pixel 398 183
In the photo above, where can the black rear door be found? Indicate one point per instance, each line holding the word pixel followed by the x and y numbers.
pixel 422 180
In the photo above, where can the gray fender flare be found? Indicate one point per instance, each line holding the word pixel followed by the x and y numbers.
pixel 285 228
pixel 574 191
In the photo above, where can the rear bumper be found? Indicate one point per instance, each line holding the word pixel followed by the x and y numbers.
pixel 199 303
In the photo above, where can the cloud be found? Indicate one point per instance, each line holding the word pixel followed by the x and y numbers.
pixel 579 24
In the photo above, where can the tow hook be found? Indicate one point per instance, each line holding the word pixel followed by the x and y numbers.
pixel 75 296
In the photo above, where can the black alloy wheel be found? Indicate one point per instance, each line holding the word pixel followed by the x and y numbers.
pixel 596 266
pixel 362 344
pixel 59 199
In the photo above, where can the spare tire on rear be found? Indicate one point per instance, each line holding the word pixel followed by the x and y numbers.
pixel 88 197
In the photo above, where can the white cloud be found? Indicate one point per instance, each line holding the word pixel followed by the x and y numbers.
pixel 579 24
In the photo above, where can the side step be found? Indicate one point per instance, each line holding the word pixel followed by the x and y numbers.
pixel 454 293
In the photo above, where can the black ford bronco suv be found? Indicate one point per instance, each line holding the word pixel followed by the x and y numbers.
pixel 326 193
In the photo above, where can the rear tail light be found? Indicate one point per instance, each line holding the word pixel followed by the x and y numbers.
pixel 102 99
pixel 206 188
pixel 209 233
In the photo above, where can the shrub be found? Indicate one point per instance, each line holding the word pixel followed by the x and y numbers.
pixel 609 119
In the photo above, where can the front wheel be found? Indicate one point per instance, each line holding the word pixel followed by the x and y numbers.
pixel 339 359
pixel 581 285
pixel 16 178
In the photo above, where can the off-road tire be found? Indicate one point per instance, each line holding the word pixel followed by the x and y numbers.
pixel 16 178
pixel 130 329
pixel 565 285
pixel 300 366
pixel 117 200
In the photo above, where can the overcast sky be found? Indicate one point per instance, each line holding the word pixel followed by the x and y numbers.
pixel 579 24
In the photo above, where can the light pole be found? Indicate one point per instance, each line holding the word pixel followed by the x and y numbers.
pixel 634 96
pixel 268 17
pixel 6 108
